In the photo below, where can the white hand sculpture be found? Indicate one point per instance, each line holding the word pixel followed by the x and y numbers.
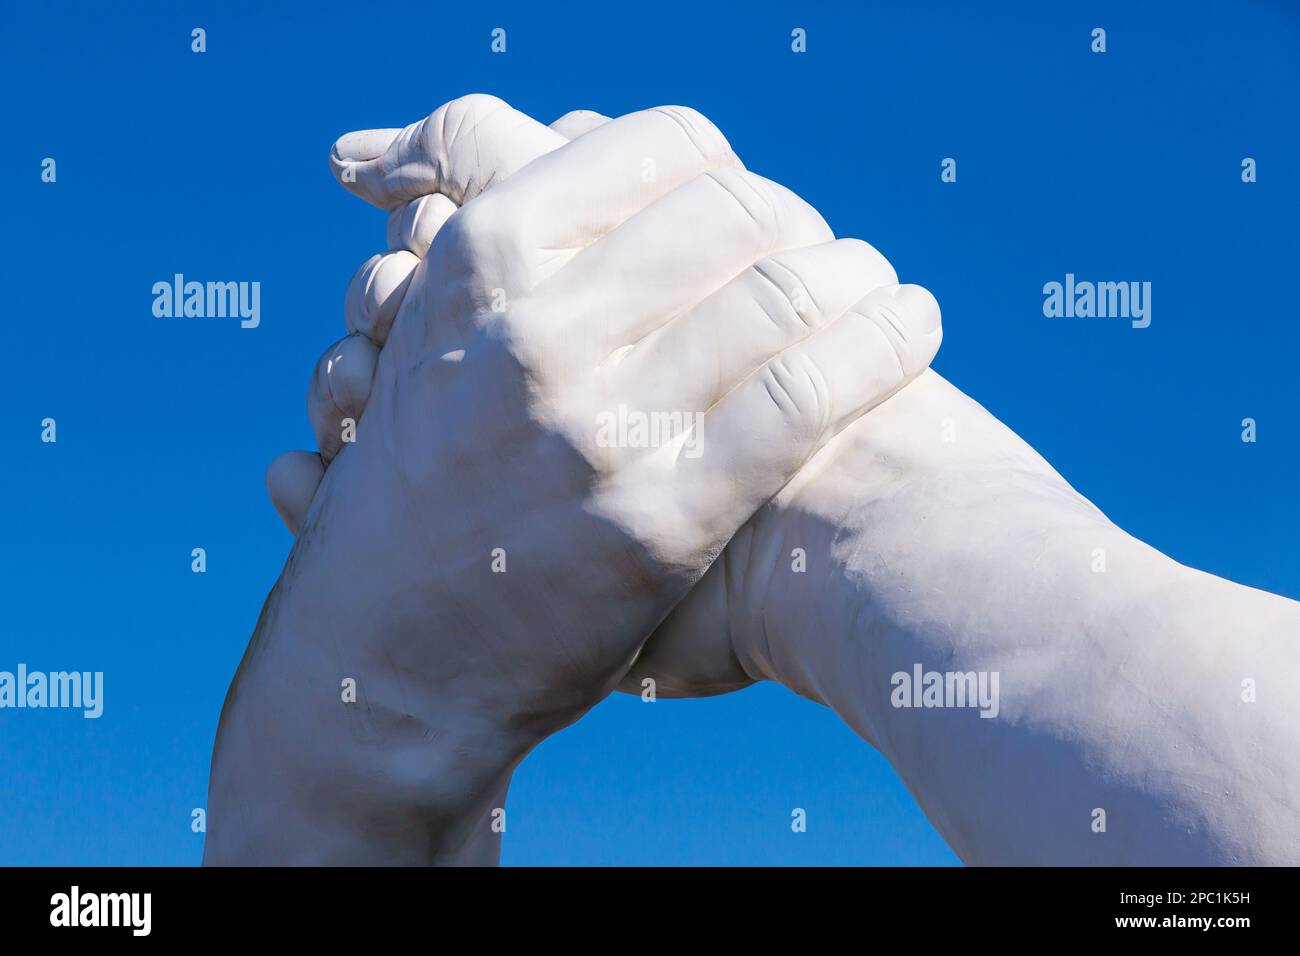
pixel 682 661
pixel 1146 713
pixel 481 562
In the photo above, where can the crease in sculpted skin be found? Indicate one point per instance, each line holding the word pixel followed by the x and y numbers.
pixel 486 568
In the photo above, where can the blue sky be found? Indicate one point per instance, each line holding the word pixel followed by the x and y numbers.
pixel 1117 166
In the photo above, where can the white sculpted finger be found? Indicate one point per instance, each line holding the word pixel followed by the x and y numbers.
pixel 375 294
pixel 364 145
pixel 798 223
pixel 908 317
pixel 744 449
pixel 702 235
pixel 412 226
pixel 841 372
pixel 338 392
pixel 571 197
pixel 292 480
pixel 780 300
pixel 458 150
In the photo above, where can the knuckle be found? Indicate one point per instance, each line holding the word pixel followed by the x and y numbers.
pixel 908 317
pixel 800 392
pixel 480 262
pixel 464 113
pixel 873 321
pixel 800 224
pixel 481 235
pixel 755 197
pixel 437 138
pixel 783 295
pixel 699 129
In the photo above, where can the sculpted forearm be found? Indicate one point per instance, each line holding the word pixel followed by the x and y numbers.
pixel 937 540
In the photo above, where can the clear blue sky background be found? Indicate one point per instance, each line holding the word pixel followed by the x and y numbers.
pixel 1117 166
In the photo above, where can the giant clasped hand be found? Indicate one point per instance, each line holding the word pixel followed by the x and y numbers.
pixel 609 359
